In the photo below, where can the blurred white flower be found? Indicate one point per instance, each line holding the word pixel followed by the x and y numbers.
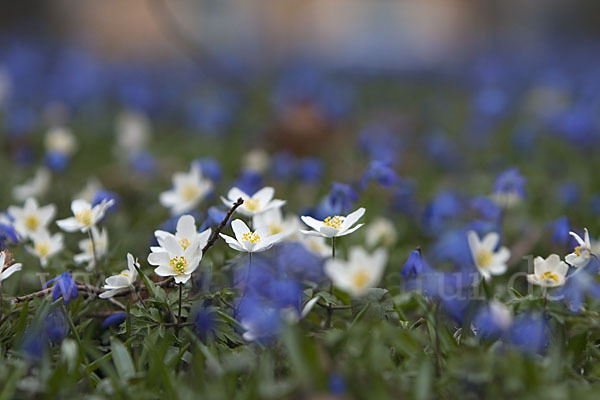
pixel 87 251
pixel 61 140
pixel 92 186
pixel 85 216
pixel 316 245
pixel 550 272
pixel 274 221
pixel 176 261
pixel 185 235
pixel 189 189
pixel 334 226
pixel 258 203
pixel 35 187
pixel 251 242
pixel 123 280
pixel 488 261
pixel 31 218
pixel 256 160
pixel 5 270
pixel 582 253
pixel 380 232
pixel 361 272
pixel 133 132
pixel 45 246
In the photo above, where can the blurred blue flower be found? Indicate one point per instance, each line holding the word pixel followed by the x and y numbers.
pixel 342 198
pixel 204 320
pixel 380 171
pixel 337 384
pixel 102 195
pixel 143 162
pixel 511 183
pixel 560 231
pixel 64 287
pixel 56 326
pixel 413 266
pixel 441 149
pixel 115 319
pixel 292 259
pixel 310 170
pixel 57 161
pixel 211 168
pixel 260 319
pixel 493 320
pixel 379 142
pixel 8 234
pixel 581 283
pixel 445 207
pixel 283 165
pixel 214 216
pixel 569 194
pixel 529 333
pixel 34 344
pixel 486 208
pixel 404 197
pixel 249 182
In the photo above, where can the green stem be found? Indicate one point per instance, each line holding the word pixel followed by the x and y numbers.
pixel 93 247
pixel 179 312
pixel 330 308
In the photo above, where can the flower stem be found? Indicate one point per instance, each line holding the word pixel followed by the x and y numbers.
pixel 93 247
pixel 330 308
pixel 179 312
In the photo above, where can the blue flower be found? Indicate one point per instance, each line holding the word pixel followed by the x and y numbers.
pixel 34 344
pixel 55 325
pixel 342 197
pixel 529 333
pixel 560 231
pixel 260 319
pixel 580 284
pixel 493 320
pixel 486 208
pixel 337 384
pixel 510 183
pixel 115 319
pixel 143 162
pixel 214 216
pixel 57 161
pixel 249 181
pixel 64 287
pixel 445 207
pixel 413 266
pixel 310 170
pixel 204 320
pixel 102 195
pixel 283 165
pixel 8 234
pixel 210 168
pixel 379 142
pixel 382 172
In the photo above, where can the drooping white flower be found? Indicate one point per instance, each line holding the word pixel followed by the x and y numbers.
pixel 488 261
pixel 5 270
pixel 61 140
pixel 87 250
pixel 258 203
pixel 361 272
pixel 334 226
pixel 185 235
pixel 31 218
pixel 45 246
pixel 85 216
pixel 550 272
pixel 35 187
pixel 381 231
pixel 582 253
pixel 133 132
pixel 176 261
pixel 250 242
pixel 273 220
pixel 114 284
pixel 189 189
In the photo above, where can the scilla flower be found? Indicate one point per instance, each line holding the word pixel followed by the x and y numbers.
pixel 175 260
pixel 487 260
pixel 189 189
pixel 259 202
pixel 333 226
pixel 582 253
pixel 361 272
pixel 185 235
pixel 85 216
pixel 550 272
pixel 35 187
pixel 122 281
pixel 87 247
pixel 251 242
pixel 45 246
pixel 64 287
pixel 5 269
pixel 31 218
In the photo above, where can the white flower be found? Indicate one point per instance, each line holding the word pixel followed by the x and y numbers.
pixel 256 160
pixel 185 235
pixel 92 186
pixel 45 246
pixel 6 272
pixel 87 251
pixel 550 272
pixel 582 253
pixel 175 260
pixel 259 202
pixel 133 132
pixel 361 272
pixel 189 189
pixel 248 241
pixel 501 314
pixel 334 226
pixel 85 216
pixel 381 231
pixel 35 187
pixel 488 261
pixel 316 245
pixel 31 218
pixel 61 140
pixel 124 280
pixel 274 221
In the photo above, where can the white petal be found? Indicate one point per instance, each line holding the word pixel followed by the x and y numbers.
pixel 352 218
pixel 186 226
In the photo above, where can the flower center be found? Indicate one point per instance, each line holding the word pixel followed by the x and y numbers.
pixel 125 274
pixel 252 204
pixel 484 258
pixel 32 222
pixel 184 243
pixel 189 192
pixel 550 275
pixel 179 265
pixel 581 251
pixel 274 229
pixel 251 237
pixel 360 279
pixel 42 249
pixel 334 222
pixel 84 217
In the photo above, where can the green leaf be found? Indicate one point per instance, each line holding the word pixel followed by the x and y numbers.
pixel 122 359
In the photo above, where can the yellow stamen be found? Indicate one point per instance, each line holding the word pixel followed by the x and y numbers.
pixel 43 249
pixel 251 237
pixel 32 222
pixel 577 249
pixel 189 192
pixel 484 258
pixel 179 265
pixel 252 204
pixel 184 243
pixel 84 217
pixel 360 279
pixel 126 274
pixel 550 275
pixel 333 222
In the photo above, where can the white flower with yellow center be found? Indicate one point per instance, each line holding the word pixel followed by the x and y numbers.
pixel 334 226
pixel 316 245
pixel 185 235
pixel 260 202
pixel 61 140
pixel 45 246
pixel 176 261
pixel 5 270
pixel 256 160
pixel 87 250
pixel 31 218
pixel 487 260
pixel 251 242
pixel 35 187
pixel 127 277
pixel 189 189
pixel 550 272
pixel 380 232
pixel 85 216
pixel 360 273
pixel 582 253
pixel 133 132
pixel 273 220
